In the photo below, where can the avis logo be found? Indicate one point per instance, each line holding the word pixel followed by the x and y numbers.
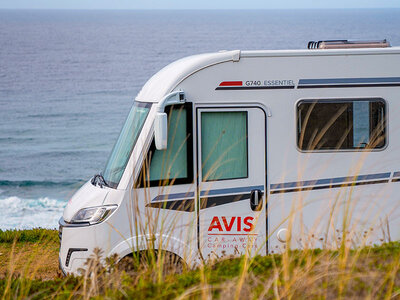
pixel 222 224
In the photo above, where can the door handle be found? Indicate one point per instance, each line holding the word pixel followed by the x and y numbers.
pixel 256 200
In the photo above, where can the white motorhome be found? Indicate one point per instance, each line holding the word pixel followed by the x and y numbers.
pixel 250 152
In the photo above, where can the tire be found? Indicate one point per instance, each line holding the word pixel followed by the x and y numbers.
pixel 147 260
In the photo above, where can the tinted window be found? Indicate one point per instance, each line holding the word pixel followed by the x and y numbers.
pixel 341 124
pixel 224 145
pixel 175 164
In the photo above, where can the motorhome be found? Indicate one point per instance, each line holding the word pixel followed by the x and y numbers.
pixel 249 152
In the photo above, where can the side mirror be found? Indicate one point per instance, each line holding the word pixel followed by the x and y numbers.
pixel 161 131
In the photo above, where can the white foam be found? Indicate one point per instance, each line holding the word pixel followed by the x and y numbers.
pixel 29 213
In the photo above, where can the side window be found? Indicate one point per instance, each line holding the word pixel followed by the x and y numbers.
pixel 224 145
pixel 175 164
pixel 341 124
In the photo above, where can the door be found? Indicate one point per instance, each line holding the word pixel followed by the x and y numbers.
pixel 166 189
pixel 232 181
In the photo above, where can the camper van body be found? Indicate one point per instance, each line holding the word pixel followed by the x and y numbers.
pixel 240 181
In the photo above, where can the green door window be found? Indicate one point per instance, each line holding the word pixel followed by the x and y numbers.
pixel 224 145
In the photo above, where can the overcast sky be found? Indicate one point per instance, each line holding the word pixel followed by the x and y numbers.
pixel 199 4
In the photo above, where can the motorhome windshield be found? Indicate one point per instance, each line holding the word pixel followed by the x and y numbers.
pixel 126 142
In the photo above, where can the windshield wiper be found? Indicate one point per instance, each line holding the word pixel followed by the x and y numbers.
pixel 99 179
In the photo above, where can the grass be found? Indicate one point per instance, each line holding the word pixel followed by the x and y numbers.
pixel 28 268
pixel 31 235
pixel 30 253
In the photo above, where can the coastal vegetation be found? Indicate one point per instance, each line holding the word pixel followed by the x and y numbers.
pixel 29 269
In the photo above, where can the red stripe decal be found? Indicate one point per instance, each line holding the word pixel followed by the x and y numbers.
pixel 231 83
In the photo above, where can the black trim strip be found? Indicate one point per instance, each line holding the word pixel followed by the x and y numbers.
pixel 350 80
pixel 234 190
pixel 205 202
pixel 180 205
pixel 396 177
pixel 208 202
pixel 328 186
pixel 273 87
pixel 173 196
pixel 330 181
pixel 316 86
pixel 72 250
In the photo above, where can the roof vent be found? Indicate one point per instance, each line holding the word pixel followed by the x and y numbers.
pixel 345 44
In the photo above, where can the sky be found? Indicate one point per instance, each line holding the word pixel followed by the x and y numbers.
pixel 199 4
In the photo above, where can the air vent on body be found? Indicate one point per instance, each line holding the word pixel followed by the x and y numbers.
pixel 343 44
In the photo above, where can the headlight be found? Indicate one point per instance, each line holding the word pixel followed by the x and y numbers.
pixel 93 215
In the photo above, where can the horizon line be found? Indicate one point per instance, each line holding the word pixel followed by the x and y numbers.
pixel 200 9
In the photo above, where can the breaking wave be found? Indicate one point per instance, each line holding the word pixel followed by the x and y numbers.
pixel 29 213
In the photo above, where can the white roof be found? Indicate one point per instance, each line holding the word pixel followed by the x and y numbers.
pixel 168 78
pixel 320 52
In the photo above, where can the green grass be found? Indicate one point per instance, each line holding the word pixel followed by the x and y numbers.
pixel 369 272
pixel 31 235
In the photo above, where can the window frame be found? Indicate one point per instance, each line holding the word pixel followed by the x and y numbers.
pixel 247 145
pixel 342 100
pixel 143 182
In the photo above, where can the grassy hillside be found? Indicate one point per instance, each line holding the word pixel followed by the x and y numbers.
pixel 28 267
pixel 29 253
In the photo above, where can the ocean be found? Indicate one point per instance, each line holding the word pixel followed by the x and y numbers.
pixel 68 80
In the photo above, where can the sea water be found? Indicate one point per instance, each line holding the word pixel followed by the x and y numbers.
pixel 68 79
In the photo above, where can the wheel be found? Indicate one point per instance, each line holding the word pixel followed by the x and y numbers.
pixel 147 260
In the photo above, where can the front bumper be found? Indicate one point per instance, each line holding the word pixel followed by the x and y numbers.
pixel 61 267
pixel 72 256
